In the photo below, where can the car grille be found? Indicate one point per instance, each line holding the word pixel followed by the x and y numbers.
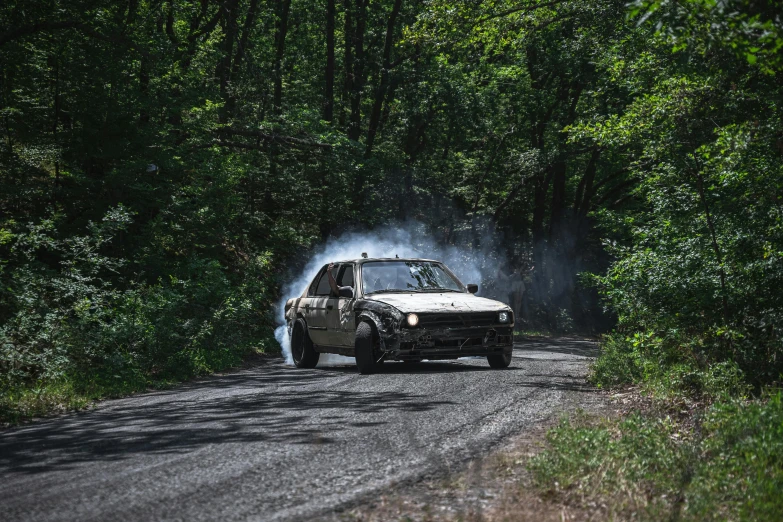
pixel 454 320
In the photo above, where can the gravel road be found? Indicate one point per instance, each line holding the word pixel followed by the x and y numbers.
pixel 277 443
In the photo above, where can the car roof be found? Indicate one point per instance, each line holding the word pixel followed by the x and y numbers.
pixel 402 259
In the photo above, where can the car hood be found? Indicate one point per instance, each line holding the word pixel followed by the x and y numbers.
pixel 431 302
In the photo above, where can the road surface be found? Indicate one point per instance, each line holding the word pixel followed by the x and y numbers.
pixel 277 443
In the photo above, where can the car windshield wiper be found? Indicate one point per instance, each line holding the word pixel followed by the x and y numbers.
pixel 411 291
pixel 390 291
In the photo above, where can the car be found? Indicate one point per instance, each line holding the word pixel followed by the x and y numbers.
pixel 392 309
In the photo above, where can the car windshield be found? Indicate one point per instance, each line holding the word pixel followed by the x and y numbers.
pixel 407 276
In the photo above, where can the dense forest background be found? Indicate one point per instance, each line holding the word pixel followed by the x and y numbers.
pixel 165 163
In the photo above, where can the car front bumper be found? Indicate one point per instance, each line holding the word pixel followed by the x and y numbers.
pixel 449 343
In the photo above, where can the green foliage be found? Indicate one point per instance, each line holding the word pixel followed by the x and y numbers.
pixel 750 29
pixel 668 369
pixel 81 332
pixel 634 465
pixel 653 468
pixel 618 363
pixel 697 258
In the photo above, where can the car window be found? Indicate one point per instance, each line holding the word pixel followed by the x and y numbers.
pixel 414 276
pixel 314 284
pixel 345 277
pixel 323 285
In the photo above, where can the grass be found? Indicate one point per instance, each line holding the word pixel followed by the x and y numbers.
pixel 698 448
pixel 727 467
pixel 80 391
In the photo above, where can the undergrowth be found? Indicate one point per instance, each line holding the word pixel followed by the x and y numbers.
pixel 76 392
pixel 77 327
pixel 703 447
pixel 728 467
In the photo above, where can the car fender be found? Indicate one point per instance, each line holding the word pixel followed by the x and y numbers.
pixel 374 321
pixel 385 321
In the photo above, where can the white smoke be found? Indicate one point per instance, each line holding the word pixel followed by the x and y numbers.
pixel 405 240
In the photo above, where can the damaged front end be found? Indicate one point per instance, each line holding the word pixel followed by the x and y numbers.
pixel 452 343
pixel 445 335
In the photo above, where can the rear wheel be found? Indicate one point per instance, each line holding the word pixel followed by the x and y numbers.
pixel 365 349
pixel 499 360
pixel 302 349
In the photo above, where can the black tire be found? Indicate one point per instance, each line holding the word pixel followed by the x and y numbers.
pixel 499 361
pixel 365 349
pixel 302 349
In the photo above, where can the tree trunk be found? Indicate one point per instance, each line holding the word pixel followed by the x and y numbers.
pixel 55 138
pixel 387 104
pixel 715 247
pixel 247 28
pixel 329 90
pixel 584 192
pixel 558 199
pixel 132 6
pixel 348 57
pixel 281 29
pixel 170 22
pixel 354 128
pixel 223 70
pixel 380 93
pixel 414 144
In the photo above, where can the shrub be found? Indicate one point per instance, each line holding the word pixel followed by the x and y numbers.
pixel 79 329
pixel 617 364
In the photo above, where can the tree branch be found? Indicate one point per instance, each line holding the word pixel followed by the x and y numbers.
pixel 519 9
pixel 514 192
pixel 276 138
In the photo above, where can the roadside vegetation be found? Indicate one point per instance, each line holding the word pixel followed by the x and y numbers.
pixel 721 462
pixel 695 283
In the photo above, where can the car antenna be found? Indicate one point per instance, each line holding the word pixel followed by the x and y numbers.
pixel 364 255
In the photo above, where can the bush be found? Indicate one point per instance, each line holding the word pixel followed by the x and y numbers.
pixel 617 364
pixel 667 367
pixel 77 329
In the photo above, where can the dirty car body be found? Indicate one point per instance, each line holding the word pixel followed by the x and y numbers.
pixel 416 309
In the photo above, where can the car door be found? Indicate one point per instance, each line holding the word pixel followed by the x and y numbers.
pixel 316 311
pixel 341 324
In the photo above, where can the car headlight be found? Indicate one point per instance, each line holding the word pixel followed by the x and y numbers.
pixel 413 319
pixel 503 317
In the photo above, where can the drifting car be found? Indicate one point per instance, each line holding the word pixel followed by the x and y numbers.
pixel 396 310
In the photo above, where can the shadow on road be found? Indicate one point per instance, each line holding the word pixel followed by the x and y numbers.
pixel 557 382
pixel 273 406
pixel 570 347
pixel 270 403
pixel 425 367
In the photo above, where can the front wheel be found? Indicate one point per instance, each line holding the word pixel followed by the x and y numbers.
pixel 499 360
pixel 365 352
pixel 302 350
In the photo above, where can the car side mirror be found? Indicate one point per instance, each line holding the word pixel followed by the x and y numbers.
pixel 346 292
pixel 472 288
